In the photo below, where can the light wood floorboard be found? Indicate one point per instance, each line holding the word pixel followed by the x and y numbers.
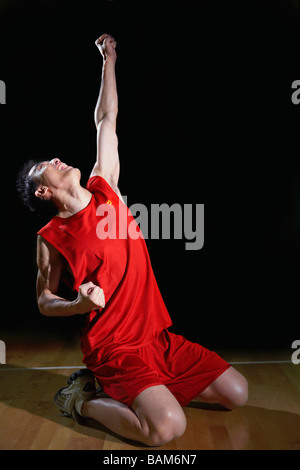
pixel 29 419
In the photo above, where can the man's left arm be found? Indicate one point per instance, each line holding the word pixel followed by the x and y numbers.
pixel 107 163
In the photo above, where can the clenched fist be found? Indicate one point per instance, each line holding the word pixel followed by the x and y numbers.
pixel 107 46
pixel 90 297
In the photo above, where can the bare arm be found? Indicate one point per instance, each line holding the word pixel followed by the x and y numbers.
pixel 107 162
pixel 50 264
pixel 107 102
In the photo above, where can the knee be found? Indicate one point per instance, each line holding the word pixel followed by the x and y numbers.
pixel 171 426
pixel 239 393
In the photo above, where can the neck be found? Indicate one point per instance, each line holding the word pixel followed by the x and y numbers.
pixel 72 201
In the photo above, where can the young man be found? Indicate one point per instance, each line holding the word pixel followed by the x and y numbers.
pixel 147 373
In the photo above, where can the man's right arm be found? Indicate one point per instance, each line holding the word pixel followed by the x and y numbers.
pixel 107 161
pixel 50 267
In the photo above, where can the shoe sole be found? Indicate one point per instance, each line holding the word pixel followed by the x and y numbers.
pixel 71 380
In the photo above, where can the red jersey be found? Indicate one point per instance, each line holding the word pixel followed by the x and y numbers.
pixel 134 311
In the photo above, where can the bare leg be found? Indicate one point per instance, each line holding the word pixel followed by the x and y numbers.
pixel 115 416
pixel 154 419
pixel 229 390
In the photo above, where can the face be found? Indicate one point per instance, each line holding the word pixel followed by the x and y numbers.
pixel 50 175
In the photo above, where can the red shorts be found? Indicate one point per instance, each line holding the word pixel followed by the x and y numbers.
pixel 185 368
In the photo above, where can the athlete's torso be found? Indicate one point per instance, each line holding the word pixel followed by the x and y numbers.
pixel 119 263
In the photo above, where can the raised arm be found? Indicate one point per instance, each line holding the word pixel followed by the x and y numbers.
pixel 107 162
pixel 50 264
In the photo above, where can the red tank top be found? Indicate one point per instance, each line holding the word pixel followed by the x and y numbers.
pixel 134 309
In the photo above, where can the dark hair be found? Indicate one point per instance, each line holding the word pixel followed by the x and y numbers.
pixel 26 187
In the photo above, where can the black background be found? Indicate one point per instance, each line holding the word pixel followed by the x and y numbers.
pixel 205 116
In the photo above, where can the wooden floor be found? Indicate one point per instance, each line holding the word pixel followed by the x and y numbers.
pixel 29 419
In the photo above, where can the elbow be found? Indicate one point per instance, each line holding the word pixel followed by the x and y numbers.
pixel 110 115
pixel 42 310
pixel 41 306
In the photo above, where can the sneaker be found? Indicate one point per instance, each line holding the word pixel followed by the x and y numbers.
pixel 69 400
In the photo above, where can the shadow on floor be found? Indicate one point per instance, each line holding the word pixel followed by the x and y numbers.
pixel 250 427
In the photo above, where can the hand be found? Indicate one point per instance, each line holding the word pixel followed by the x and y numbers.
pixel 90 297
pixel 107 46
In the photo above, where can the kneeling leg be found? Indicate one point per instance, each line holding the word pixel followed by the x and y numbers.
pixel 154 418
pixel 230 390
